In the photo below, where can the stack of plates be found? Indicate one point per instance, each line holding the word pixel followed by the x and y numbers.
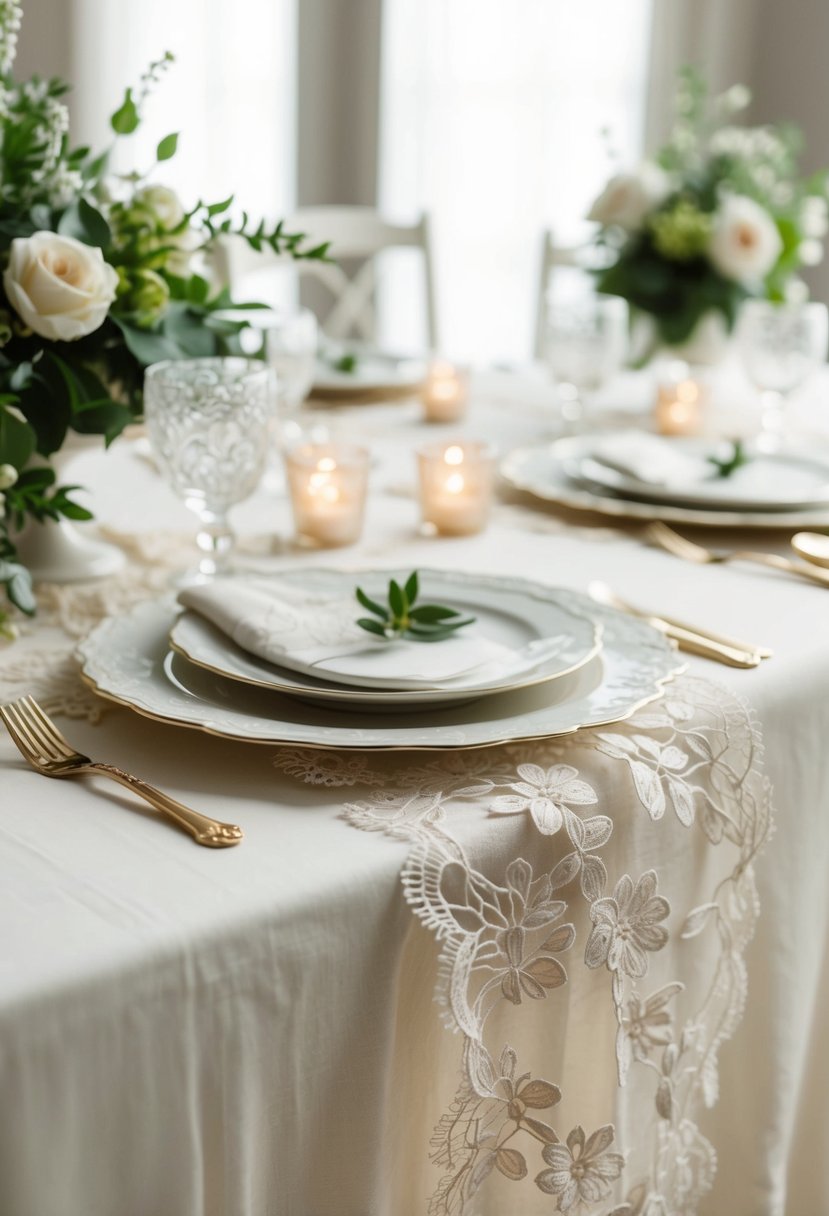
pixel 644 477
pixel 376 376
pixel 562 662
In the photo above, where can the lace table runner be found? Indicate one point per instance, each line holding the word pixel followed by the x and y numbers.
pixel 614 899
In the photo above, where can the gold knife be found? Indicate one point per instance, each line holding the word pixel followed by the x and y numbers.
pixel 688 638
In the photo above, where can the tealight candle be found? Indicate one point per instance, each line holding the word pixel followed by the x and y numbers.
pixel 445 392
pixel 679 406
pixel 327 483
pixel 456 486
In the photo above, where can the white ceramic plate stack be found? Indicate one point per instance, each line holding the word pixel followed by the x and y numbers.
pixel 376 375
pixel 556 661
pixel 641 476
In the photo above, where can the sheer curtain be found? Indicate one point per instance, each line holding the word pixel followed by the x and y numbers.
pixel 231 93
pixel 492 119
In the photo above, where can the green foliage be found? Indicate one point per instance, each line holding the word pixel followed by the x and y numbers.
pixel 404 618
pixel 662 266
pixel 737 457
pixel 167 147
pixel 163 309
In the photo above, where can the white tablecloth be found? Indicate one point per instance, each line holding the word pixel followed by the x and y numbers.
pixel 252 1031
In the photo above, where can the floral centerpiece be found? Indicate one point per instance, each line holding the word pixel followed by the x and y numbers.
pixel 101 276
pixel 718 215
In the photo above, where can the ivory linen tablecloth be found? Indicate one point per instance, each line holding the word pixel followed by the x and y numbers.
pixel 192 1033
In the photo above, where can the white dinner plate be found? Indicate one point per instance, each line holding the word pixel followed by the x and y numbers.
pixel 546 639
pixel 785 481
pixel 378 374
pixel 127 659
pixel 542 472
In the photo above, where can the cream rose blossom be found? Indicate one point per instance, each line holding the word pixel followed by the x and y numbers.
pixel 628 197
pixel 745 243
pixel 60 287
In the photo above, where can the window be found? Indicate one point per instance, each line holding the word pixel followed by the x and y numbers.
pixel 231 93
pixel 492 120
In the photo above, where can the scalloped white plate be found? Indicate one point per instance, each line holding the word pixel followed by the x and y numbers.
pixel 541 471
pixel 543 640
pixel 127 659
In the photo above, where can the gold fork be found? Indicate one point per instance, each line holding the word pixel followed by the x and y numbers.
pixel 680 546
pixel 44 747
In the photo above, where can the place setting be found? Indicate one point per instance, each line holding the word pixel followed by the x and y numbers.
pixel 456 661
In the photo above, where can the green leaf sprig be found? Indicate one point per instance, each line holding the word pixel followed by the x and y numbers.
pixel 738 457
pixel 345 363
pixel 404 618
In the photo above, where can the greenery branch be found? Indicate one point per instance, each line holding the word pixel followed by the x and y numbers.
pixel 403 617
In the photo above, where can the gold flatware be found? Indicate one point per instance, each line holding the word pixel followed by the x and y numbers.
pixel 44 747
pixel 671 541
pixel 687 637
pixel 812 546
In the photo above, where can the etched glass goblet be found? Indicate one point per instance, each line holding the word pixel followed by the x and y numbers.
pixel 781 345
pixel 208 421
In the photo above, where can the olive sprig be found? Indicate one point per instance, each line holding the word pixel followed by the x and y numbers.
pixel 404 618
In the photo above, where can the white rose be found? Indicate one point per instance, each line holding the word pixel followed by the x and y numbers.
pixel 8 476
pixel 60 287
pixel 745 242
pixel 164 203
pixel 629 197
pixel 166 207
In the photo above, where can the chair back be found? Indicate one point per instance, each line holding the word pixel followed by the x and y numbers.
pixel 356 234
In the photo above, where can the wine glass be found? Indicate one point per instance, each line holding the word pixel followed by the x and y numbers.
pixel 586 343
pixel 781 345
pixel 208 421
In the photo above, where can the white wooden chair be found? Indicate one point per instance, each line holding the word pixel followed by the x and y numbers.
pixel 356 234
pixel 553 257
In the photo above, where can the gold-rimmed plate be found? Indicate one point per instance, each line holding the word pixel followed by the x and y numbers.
pixel 127 659
pixel 538 639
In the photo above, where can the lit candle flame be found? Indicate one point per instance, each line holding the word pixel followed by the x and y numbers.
pixel 453 455
pixel 455 483
pixel 326 464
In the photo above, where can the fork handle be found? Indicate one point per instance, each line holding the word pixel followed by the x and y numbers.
pixel 210 832
pixel 778 562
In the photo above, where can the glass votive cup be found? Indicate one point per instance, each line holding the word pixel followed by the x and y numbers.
pixel 681 400
pixel 456 484
pixel 327 484
pixel 445 392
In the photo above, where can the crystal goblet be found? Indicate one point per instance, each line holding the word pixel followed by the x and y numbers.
pixel 208 421
pixel 586 343
pixel 781 345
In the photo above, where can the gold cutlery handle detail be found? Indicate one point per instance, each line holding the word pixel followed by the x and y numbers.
pixel 778 562
pixel 204 830
pixel 706 648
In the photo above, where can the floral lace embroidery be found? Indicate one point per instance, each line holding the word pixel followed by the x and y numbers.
pixel 509 943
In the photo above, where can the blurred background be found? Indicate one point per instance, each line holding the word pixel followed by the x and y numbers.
pixel 500 119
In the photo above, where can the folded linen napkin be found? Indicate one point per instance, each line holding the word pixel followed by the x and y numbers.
pixel 649 459
pixel 319 636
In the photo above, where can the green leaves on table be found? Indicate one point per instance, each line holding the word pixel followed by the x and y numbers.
pixel 727 465
pixel 403 617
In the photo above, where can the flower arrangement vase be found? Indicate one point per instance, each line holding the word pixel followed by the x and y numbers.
pixel 58 551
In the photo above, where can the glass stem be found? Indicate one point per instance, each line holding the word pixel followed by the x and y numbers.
pixel 215 541
pixel 572 407
pixel 772 421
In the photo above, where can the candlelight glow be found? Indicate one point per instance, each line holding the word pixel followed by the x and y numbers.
pixel 453 455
